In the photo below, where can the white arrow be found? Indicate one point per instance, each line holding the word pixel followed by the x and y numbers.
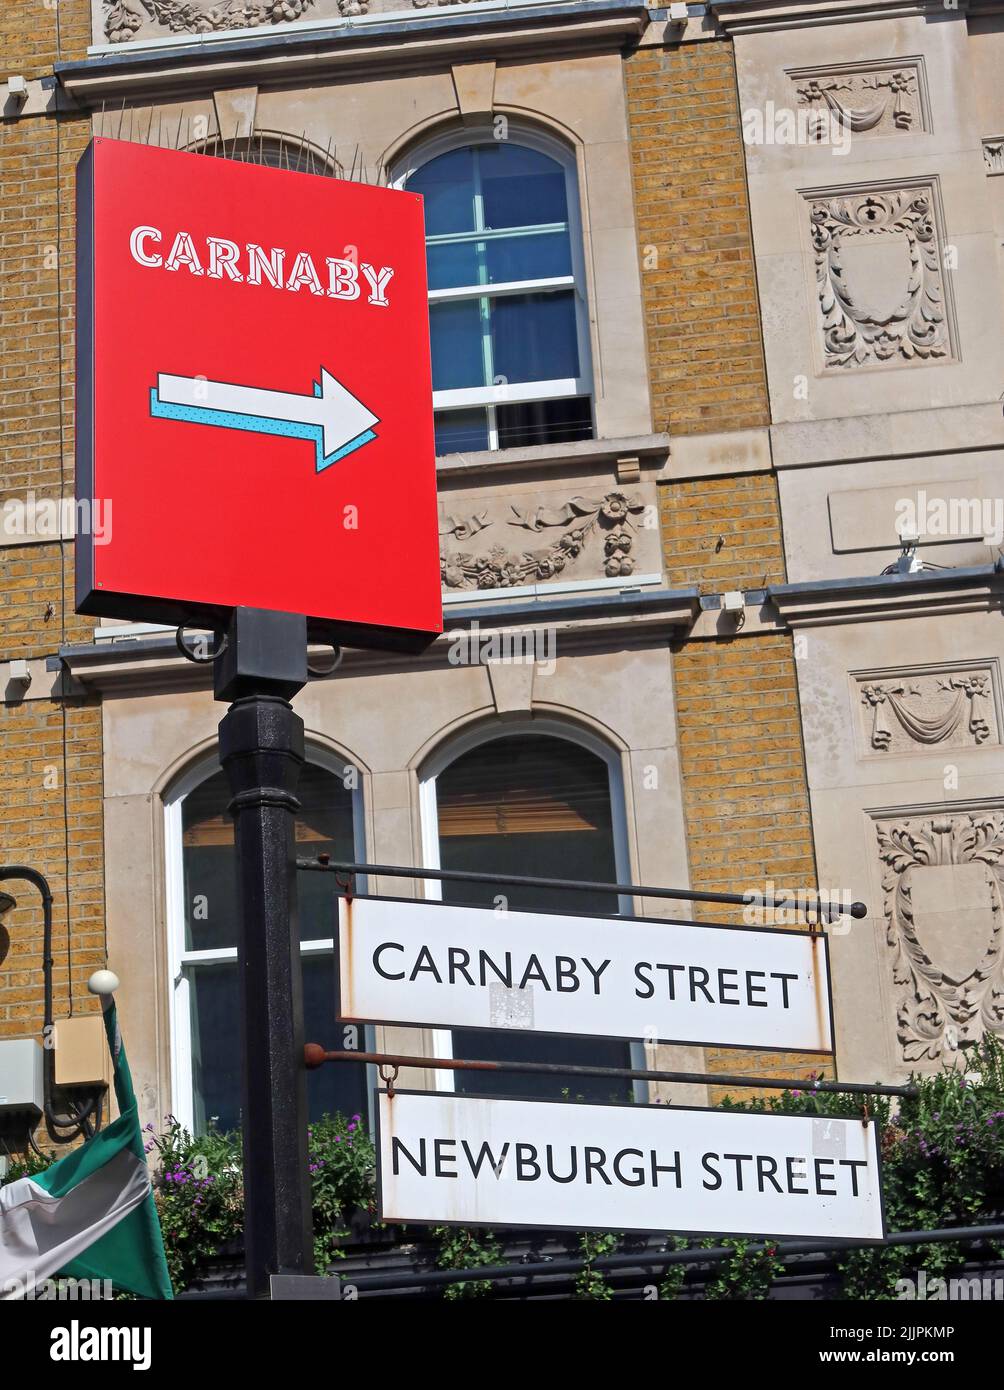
pixel 332 417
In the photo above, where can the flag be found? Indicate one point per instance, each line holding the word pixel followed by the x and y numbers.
pixel 91 1215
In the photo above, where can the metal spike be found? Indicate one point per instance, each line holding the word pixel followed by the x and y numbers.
pixel 177 137
pixel 121 119
pixel 301 151
pixel 101 127
pixel 149 127
pixel 327 157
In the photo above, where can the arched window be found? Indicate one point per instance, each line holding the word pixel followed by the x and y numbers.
pixel 510 341
pixel 202 910
pixel 542 805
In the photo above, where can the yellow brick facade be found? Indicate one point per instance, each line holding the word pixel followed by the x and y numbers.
pixel 50 750
pixel 745 794
pixel 705 353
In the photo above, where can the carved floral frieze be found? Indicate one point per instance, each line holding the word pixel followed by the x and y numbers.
pixel 887 98
pixel 124 20
pixel 596 532
pixel 951 996
pixel 917 327
pixel 913 711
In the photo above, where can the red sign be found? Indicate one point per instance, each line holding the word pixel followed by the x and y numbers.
pixel 254 396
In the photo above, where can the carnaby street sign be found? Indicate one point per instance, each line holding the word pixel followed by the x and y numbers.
pixel 480 1161
pixel 445 966
pixel 254 396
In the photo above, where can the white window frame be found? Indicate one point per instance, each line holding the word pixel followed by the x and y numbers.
pixel 501 394
pixel 181 959
pixel 442 1038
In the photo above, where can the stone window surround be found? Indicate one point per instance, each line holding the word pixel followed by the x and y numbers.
pixel 180 959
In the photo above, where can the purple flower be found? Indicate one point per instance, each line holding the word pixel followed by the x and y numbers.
pixel 338 1138
pixel 351 1128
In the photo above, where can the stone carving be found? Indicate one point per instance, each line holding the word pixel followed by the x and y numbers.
pixel 952 995
pixel 957 710
pixel 878 99
pixel 124 18
pixel 578 519
pixel 993 154
pixel 917 327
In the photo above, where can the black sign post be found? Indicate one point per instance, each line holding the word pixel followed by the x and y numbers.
pixel 262 665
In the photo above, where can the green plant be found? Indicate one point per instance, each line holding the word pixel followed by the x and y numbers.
pixel 343 1178
pixel 746 1274
pixel 463 1249
pixel 199 1192
pixel 591 1283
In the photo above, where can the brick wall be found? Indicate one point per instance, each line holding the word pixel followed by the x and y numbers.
pixel 705 351
pixel 746 801
pixel 722 533
pixel 36 33
pixel 60 837
pixel 50 750
pixel 744 787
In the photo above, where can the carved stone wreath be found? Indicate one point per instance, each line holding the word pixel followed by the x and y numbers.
pixel 124 17
pixel 917 328
pixel 938 1012
pixel 501 568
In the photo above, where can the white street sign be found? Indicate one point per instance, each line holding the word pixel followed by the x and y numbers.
pixel 440 965
pixel 481 1161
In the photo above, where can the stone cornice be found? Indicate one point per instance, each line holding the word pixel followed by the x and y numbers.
pixel 581 622
pixel 746 16
pixel 350 49
pixel 828 602
pixel 651 450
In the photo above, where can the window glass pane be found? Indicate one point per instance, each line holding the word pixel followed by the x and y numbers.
pixel 452 265
pixel 457 345
pixel 544 422
pixel 527 257
pixel 447 185
pixel 534 337
pixel 216 1062
pixel 532 806
pixel 324 826
pixel 520 187
pixel 458 431
pixel 338 1086
pixel 216 1053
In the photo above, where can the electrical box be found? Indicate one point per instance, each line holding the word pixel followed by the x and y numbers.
pixel 20 1078
pixel 82 1057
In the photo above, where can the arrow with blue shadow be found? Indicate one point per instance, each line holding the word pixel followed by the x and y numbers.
pixel 332 418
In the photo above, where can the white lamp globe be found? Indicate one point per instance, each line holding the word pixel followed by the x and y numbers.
pixel 103 982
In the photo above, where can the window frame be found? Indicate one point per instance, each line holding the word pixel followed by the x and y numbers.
pixel 489 397
pixel 180 960
pixel 442 1038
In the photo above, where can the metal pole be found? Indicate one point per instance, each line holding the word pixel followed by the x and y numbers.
pixel 315 1056
pixel 261 750
pixel 657 1259
pixel 828 911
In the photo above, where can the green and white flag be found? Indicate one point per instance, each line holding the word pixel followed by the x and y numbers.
pixel 92 1214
